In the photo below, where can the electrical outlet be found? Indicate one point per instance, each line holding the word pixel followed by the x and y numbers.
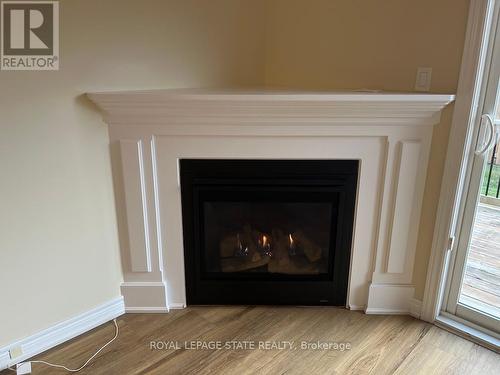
pixel 23 368
pixel 15 352
pixel 423 80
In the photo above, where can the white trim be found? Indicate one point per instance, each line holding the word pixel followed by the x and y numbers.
pixel 135 197
pixel 156 199
pixel 357 308
pixel 143 284
pixel 226 107
pixel 386 311
pixel 389 299
pixel 415 308
pixel 145 296
pixel 146 310
pixel 468 330
pixel 465 111
pixel 475 305
pixel 176 306
pixel 61 332
pixel 145 222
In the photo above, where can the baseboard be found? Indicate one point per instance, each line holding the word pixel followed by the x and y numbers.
pixel 146 310
pixel 384 311
pixel 389 299
pixel 356 307
pixel 145 296
pixel 176 306
pixel 61 332
pixel 415 308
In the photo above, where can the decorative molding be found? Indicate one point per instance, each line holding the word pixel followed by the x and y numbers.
pixel 406 181
pixel 369 149
pixel 62 332
pixel 147 310
pixel 145 296
pixel 156 200
pixel 209 106
pixel 127 284
pixel 135 202
pixel 386 311
pixel 415 308
pixel 389 299
pixel 464 116
pixel 177 306
pixel 357 308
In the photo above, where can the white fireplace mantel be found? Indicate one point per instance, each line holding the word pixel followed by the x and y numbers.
pixel 389 133
pixel 205 106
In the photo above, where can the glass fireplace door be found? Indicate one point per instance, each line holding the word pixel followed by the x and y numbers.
pixel 269 233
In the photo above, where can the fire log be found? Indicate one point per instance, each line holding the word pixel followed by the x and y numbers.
pixel 237 264
pixel 311 249
pixel 227 246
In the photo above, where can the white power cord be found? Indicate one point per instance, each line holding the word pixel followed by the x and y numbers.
pixel 69 369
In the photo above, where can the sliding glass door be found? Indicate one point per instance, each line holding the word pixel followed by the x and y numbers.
pixel 473 290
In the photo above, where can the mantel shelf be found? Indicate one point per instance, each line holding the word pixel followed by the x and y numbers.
pixel 267 106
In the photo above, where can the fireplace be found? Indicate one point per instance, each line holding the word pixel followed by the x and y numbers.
pixel 170 259
pixel 267 231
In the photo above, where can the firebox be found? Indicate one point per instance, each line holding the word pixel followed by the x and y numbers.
pixel 267 231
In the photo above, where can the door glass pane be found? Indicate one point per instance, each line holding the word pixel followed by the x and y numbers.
pixel 481 283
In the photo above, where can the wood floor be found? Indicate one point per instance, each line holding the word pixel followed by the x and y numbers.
pixel 482 271
pixel 379 344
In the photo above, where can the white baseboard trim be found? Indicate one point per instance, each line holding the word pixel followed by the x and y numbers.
pixel 176 306
pixel 61 332
pixel 145 296
pixel 415 308
pixel 468 330
pixel 389 298
pixel 382 311
pixel 356 307
pixel 146 310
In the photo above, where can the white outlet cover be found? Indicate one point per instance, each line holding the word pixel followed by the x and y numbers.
pixel 423 79
pixel 15 352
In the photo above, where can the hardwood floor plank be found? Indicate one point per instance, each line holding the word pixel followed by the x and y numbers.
pixel 378 344
pixel 440 353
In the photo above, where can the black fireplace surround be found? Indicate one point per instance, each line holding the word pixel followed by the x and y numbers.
pixel 267 231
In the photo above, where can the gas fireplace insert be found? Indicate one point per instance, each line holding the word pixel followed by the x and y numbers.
pixel 267 231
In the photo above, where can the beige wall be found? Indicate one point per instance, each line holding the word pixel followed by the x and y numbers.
pixel 352 44
pixel 58 241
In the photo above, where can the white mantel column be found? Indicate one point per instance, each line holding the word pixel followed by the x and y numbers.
pixel 144 288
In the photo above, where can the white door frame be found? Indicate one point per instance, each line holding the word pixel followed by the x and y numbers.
pixel 465 116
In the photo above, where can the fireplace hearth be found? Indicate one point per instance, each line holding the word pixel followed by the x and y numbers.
pixel 267 231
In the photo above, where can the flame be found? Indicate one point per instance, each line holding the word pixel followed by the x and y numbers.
pixel 264 240
pixel 291 239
